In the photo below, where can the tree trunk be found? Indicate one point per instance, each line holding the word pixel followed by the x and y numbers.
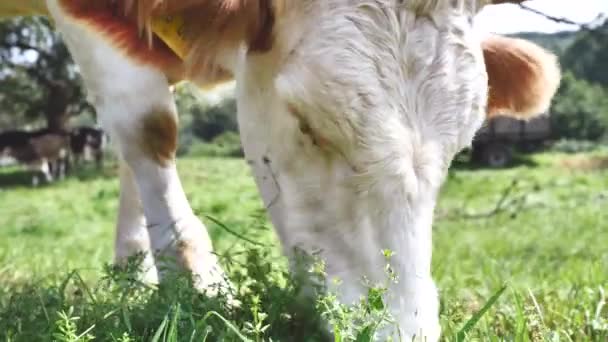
pixel 56 121
pixel 58 101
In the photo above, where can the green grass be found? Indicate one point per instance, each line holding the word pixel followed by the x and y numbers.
pixel 538 228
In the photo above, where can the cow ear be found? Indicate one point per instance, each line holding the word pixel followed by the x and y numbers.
pixel 216 28
pixel 522 77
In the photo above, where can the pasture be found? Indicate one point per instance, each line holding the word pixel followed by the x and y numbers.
pixel 539 230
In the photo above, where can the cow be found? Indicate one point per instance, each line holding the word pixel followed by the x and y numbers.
pixel 350 112
pixel 44 151
pixel 87 144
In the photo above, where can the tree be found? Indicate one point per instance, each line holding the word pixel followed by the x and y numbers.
pixel 38 79
pixel 587 56
pixel 580 110
pixel 207 115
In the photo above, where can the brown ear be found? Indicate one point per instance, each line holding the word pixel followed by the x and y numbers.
pixel 523 77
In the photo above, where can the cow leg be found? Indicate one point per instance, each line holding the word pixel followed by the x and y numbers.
pixel 99 159
pixel 62 166
pixel 134 105
pixel 77 160
pixel 40 169
pixel 67 167
pixel 132 236
pixel 57 168
pixel 36 169
pixel 52 168
pixel 45 169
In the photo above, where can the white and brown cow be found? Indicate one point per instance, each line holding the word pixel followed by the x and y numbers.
pixel 350 113
pixel 87 144
pixel 43 151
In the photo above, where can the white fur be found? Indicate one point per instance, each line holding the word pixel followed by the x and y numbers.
pixel 131 234
pixel 396 95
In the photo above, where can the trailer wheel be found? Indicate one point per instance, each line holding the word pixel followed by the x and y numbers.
pixel 530 146
pixel 497 155
pixel 477 153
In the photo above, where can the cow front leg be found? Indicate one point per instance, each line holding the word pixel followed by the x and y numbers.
pixel 132 238
pixel 41 169
pixel 147 144
pixel 136 108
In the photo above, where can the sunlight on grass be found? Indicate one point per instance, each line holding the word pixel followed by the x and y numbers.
pixel 540 228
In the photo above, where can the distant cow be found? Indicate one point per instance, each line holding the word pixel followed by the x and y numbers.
pixel 43 151
pixel 87 143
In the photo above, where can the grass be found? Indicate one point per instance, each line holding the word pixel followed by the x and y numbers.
pixel 530 242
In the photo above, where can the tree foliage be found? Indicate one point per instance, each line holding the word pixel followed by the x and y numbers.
pixel 557 42
pixel 208 117
pixel 39 82
pixel 580 109
pixel 587 57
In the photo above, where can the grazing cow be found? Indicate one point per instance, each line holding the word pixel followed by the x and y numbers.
pixel 43 151
pixel 350 113
pixel 86 144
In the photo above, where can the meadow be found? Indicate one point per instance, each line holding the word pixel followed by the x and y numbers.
pixel 530 241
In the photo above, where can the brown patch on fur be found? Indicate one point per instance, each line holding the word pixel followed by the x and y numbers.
pixel 305 128
pixel 595 163
pixel 523 78
pixel 185 254
pixel 216 26
pixel 108 18
pixel 159 136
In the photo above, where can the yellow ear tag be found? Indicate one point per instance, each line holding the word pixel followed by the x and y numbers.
pixel 170 29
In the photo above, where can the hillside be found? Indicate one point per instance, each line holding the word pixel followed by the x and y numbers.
pixel 587 56
pixel 557 42
pixel 584 53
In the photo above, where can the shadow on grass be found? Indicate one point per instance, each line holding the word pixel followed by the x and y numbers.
pixel 14 177
pixel 464 161
pixel 90 172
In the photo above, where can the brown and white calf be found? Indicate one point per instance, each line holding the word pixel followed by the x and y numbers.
pixel 87 144
pixel 350 113
pixel 42 151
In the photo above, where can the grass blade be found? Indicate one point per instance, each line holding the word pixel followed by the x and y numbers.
pixel 174 324
pixel 477 316
pixel 228 324
pixel 230 231
pixel 160 329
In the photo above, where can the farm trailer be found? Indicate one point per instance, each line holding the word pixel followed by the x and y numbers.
pixel 495 142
